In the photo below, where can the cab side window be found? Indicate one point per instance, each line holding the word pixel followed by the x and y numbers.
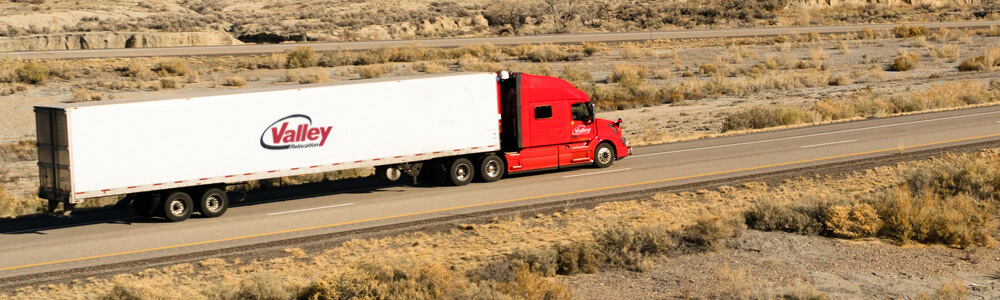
pixel 580 111
pixel 543 112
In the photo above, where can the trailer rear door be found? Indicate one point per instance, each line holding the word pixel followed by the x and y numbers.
pixel 53 154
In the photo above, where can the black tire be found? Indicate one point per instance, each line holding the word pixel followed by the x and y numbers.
pixel 146 205
pixel 491 168
pixel 213 203
pixel 388 173
pixel 176 206
pixel 460 172
pixel 604 155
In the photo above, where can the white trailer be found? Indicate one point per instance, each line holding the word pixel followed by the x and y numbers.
pixel 164 151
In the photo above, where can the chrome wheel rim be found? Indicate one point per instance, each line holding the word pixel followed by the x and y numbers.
pixel 604 155
pixel 462 172
pixel 213 203
pixel 177 208
pixel 492 168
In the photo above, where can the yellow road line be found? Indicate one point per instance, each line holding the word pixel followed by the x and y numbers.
pixel 496 202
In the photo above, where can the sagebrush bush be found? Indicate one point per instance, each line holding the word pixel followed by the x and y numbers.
pixel 32 72
pixel 578 256
pixel 972 174
pixel 986 62
pixel 769 215
pixel 235 81
pixel 174 66
pixel 549 53
pixel 959 221
pixel 758 117
pixel 627 247
pixel 903 31
pixel 852 221
pixel 905 61
pixel 712 232
pixel 371 71
pixel 541 260
pixel 300 57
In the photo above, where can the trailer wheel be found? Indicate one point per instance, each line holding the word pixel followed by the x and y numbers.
pixel 461 172
pixel 604 155
pixel 388 173
pixel 214 202
pixel 146 204
pixel 177 206
pixel 491 168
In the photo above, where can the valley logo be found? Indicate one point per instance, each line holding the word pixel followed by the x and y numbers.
pixel 294 132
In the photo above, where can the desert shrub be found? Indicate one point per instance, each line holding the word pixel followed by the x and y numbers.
pixel 951 290
pixel 549 53
pixel 590 48
pixel 312 76
pixel 84 95
pixel 974 174
pixel 431 67
pixel 371 280
pixel 852 221
pixel 949 53
pixel 470 63
pixel 541 260
pixel 635 51
pixel 629 75
pixel 903 31
pixel 627 247
pixel 168 83
pixel 235 81
pixel 174 66
pixel 758 117
pixel 300 57
pixel 867 34
pixel 769 215
pixel 578 256
pixel 23 150
pixel 818 54
pixel 137 69
pixel 905 61
pixel 531 285
pixel 371 71
pixel 990 60
pixel 958 221
pixel 32 72
pixel 707 69
pixel 132 292
pixel 576 75
pixel 261 286
pixel 711 232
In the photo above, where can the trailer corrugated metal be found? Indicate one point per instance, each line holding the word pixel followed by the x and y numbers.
pixel 118 147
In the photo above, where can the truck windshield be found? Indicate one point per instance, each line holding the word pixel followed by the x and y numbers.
pixel 580 111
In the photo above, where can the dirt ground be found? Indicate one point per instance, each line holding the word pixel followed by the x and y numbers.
pixel 775 263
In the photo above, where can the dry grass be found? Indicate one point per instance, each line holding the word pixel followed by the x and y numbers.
pixel 511 257
pixel 371 71
pixel 172 67
pixel 863 104
pixel 635 51
pixel 32 72
pixel 903 31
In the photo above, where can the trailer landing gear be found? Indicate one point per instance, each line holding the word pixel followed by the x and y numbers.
pixel 65 214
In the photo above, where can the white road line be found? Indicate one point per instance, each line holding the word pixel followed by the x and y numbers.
pixel 816 134
pixel 308 209
pixel 69 225
pixel 595 173
pixel 827 144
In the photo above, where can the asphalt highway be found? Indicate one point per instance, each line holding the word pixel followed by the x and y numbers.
pixel 45 245
pixel 456 42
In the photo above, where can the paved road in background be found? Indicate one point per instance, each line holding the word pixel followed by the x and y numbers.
pixel 46 245
pixel 456 42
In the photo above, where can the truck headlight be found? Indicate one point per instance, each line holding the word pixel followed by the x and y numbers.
pixel 625 141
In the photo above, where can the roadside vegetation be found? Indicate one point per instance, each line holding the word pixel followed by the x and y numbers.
pixel 325 20
pixel 665 90
pixel 950 201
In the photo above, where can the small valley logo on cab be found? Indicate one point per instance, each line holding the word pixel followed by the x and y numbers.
pixel 581 130
pixel 294 132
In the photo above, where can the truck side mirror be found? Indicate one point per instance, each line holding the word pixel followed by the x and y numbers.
pixel 619 122
pixel 592 109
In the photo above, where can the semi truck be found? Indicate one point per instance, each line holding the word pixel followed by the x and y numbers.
pixel 172 156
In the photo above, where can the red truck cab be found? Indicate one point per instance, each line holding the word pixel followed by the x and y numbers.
pixel 547 123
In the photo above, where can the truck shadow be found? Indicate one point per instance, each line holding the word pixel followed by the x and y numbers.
pixel 38 224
